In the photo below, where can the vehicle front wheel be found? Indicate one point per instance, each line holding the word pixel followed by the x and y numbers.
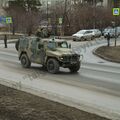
pixel 75 68
pixel 82 39
pixel 52 65
pixel 25 61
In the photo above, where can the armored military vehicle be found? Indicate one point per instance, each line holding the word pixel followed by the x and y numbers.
pixel 52 54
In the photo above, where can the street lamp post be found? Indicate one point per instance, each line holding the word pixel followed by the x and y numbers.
pixel 115 31
pixel 115 18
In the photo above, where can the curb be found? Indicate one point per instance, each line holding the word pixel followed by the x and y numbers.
pixel 64 37
pixel 9 41
pixel 104 57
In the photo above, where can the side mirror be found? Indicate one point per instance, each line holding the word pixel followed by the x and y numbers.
pixel 70 46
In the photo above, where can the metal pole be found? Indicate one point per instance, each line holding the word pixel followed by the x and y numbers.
pixel 115 6
pixel 115 31
pixel 9 30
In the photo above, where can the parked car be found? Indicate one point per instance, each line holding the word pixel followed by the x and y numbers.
pixel 111 32
pixel 83 35
pixel 105 30
pixel 118 30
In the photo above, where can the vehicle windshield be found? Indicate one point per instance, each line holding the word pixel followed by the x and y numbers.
pixel 52 45
pixel 62 45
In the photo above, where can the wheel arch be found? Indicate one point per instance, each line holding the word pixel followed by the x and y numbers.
pixel 50 57
pixel 23 52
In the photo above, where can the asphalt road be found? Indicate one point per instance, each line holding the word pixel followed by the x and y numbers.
pixel 92 77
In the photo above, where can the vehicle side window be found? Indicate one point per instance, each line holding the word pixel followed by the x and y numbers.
pixel 87 32
pixel 24 42
pixel 51 45
pixel 90 31
pixel 63 45
pixel 33 45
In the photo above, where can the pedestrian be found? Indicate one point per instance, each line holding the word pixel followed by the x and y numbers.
pixel 5 40
pixel 108 39
pixel 39 32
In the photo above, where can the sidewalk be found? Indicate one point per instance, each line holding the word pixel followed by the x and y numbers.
pixel 17 105
pixel 8 41
pixel 64 37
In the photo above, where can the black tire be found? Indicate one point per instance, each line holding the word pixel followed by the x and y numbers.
pixel 74 39
pixel 93 37
pixel 52 65
pixel 25 61
pixel 82 39
pixel 75 68
pixel 44 67
pixel 17 45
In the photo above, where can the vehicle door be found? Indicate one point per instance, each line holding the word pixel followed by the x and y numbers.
pixel 88 34
pixel 33 50
pixel 38 53
pixel 97 33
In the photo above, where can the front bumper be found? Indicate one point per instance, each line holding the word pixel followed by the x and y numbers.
pixel 71 62
pixel 75 38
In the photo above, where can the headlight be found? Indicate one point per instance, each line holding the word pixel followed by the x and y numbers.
pixel 81 57
pixel 61 58
pixel 78 57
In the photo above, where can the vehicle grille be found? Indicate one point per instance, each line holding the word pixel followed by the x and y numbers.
pixel 72 58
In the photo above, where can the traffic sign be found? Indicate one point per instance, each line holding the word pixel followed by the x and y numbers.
pixel 0 19
pixel 116 11
pixel 8 20
pixel 3 19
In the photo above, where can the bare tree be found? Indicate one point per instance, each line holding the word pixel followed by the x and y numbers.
pixel 25 16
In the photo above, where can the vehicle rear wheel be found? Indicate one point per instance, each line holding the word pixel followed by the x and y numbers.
pixel 52 65
pixel 75 68
pixel 92 37
pixel 25 61
pixel 82 39
pixel 74 39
